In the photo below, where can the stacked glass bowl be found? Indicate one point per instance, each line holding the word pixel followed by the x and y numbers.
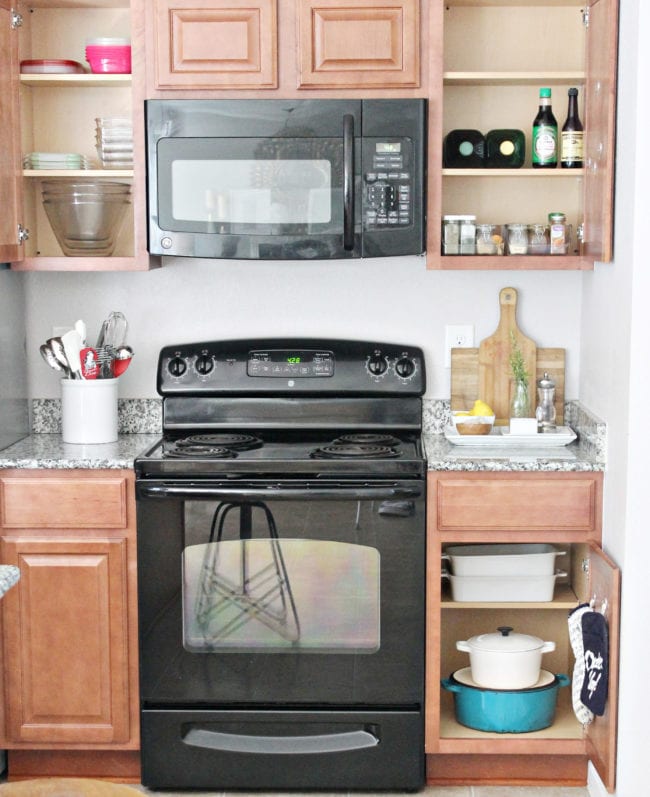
pixel 86 216
pixel 114 142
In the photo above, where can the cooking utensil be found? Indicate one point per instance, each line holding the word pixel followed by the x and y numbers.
pixel 505 660
pixel 48 355
pixel 80 326
pixel 485 372
pixel 123 357
pixel 56 346
pixel 494 352
pixel 116 330
pixel 72 348
pixel 505 711
pixel 89 363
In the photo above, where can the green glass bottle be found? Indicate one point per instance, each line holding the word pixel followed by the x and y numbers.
pixel 505 149
pixel 545 134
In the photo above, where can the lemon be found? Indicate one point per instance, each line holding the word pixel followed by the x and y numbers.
pixel 481 408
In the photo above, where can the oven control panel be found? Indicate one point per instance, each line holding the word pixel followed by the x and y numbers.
pixel 298 366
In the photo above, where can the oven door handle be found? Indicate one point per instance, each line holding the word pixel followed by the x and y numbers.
pixel 277 493
pixel 274 745
pixel 348 182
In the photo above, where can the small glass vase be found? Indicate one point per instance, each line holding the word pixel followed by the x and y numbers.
pixel 520 403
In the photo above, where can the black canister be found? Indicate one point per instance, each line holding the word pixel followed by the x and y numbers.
pixel 463 149
pixel 505 149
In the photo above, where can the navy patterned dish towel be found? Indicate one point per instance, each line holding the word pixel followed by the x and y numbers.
pixel 595 640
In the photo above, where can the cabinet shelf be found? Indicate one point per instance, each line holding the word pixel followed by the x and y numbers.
pixel 564 598
pixel 45 174
pixel 86 80
pixel 536 173
pixel 512 78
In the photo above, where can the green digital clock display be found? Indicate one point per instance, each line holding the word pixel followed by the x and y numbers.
pixel 294 359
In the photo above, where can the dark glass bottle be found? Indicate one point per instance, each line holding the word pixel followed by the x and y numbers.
pixel 545 134
pixel 571 145
pixel 505 149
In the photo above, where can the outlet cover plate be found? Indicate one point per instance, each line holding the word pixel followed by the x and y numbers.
pixel 457 336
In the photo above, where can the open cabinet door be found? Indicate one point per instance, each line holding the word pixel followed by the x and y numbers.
pixel 605 589
pixel 10 159
pixel 600 126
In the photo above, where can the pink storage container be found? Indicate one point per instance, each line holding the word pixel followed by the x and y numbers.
pixel 109 55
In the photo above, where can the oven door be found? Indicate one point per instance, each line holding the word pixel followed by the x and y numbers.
pixel 281 595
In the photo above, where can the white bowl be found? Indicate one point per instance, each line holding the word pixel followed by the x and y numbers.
pixel 472 424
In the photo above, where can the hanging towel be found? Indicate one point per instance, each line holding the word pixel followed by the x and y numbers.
pixel 595 640
pixel 584 715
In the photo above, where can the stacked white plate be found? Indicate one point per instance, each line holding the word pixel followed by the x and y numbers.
pixel 114 142
pixel 55 160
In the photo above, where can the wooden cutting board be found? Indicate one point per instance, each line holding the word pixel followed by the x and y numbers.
pixel 485 372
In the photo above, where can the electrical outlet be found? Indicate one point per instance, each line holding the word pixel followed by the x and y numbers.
pixel 460 336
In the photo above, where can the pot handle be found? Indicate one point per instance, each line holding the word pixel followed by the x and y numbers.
pixel 563 680
pixel 462 645
pixel 450 686
pixel 547 647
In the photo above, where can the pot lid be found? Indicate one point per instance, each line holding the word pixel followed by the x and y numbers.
pixel 464 676
pixel 505 641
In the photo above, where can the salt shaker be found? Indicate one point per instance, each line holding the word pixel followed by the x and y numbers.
pixel 545 412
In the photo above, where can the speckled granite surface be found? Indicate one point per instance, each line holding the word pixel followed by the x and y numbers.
pixel 140 423
pixel 9 575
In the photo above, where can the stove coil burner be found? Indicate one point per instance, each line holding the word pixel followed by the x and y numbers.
pixel 354 451
pixel 212 446
pixel 234 442
pixel 368 438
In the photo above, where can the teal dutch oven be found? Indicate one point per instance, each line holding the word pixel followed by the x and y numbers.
pixel 505 710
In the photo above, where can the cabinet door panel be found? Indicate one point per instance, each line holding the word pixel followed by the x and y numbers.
pixel 63 502
pixel 600 126
pixel 10 182
pixel 359 44
pixel 534 503
pixel 66 659
pixel 216 43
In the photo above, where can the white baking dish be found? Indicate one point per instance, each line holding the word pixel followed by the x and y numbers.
pixel 505 559
pixel 503 589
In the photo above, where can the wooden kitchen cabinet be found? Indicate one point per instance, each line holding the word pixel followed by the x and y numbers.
pixel 69 627
pixel 56 113
pixel 560 508
pixel 496 57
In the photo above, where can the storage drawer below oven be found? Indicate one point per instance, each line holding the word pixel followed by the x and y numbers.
pixel 307 750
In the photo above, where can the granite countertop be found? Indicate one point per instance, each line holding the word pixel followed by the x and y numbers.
pixel 49 451
pixel 9 575
pixel 444 456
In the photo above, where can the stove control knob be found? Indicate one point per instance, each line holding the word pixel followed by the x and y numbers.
pixel 177 366
pixel 404 367
pixel 204 364
pixel 377 363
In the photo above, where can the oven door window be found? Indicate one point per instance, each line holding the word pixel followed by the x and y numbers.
pixel 288 595
pixel 252 186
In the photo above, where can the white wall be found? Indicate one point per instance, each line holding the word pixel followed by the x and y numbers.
pixel 394 299
pixel 615 382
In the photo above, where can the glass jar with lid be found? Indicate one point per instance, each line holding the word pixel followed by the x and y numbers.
pixel 517 236
pixel 538 239
pixel 458 234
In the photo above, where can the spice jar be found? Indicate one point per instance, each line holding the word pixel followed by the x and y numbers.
pixel 538 239
pixel 457 230
pixel 517 239
pixel 485 243
pixel 558 237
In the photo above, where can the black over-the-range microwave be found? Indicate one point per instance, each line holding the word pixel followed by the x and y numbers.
pixel 286 179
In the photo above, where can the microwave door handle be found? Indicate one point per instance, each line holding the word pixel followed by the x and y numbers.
pixel 348 182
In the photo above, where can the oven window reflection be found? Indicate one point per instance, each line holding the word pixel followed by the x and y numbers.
pixel 249 588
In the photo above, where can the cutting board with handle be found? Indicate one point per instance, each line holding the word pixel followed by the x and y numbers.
pixel 485 372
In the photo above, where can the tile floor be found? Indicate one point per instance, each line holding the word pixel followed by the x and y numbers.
pixel 430 791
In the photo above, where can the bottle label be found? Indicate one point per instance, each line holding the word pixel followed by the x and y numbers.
pixel 572 146
pixel 544 144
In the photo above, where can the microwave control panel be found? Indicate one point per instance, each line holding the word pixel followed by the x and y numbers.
pixel 387 183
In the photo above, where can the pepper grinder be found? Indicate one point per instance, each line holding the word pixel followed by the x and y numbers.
pixel 545 412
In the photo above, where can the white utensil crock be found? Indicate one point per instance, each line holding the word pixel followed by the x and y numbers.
pixel 89 410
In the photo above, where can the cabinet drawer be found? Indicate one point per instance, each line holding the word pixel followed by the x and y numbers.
pixel 63 502
pixel 512 502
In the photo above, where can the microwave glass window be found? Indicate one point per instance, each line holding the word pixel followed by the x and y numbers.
pixel 283 191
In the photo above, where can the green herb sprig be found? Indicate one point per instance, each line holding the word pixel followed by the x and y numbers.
pixel 517 364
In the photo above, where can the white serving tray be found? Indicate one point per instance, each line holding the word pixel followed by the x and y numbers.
pixel 500 436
